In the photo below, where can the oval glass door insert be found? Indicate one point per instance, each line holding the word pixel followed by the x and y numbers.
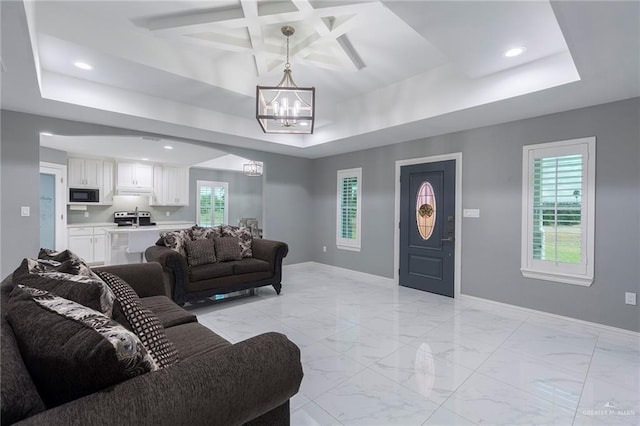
pixel 425 210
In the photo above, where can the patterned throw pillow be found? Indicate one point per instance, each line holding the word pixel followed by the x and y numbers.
pixel 228 248
pixel 58 278
pixel 197 232
pixel 244 236
pixel 175 240
pixel 201 252
pixel 143 322
pixel 71 350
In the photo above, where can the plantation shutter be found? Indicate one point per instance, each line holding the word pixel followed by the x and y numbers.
pixel 349 207
pixel 212 203
pixel 557 209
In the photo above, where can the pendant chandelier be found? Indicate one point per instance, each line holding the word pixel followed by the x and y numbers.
pixel 286 108
pixel 252 168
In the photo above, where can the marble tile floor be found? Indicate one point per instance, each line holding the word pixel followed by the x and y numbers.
pixel 374 353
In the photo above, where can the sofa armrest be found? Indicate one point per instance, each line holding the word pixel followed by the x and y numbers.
pixel 176 267
pixel 226 387
pixel 269 251
pixel 146 279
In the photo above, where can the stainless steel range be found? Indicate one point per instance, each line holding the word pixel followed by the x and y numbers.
pixel 134 218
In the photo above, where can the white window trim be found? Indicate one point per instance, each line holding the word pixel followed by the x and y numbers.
pixel 225 185
pixel 536 269
pixel 346 243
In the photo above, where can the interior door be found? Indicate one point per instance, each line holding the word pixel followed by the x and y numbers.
pixel 427 227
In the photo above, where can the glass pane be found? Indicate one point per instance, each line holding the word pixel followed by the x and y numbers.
pixel 349 208
pixel 47 211
pixel 557 209
pixel 425 210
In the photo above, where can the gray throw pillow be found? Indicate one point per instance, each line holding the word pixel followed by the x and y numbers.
pixel 228 248
pixel 144 323
pixel 201 252
pixel 244 238
pixel 71 350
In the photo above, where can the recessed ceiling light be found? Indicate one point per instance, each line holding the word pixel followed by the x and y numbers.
pixel 145 159
pixel 168 147
pixel 83 65
pixel 46 133
pixel 514 52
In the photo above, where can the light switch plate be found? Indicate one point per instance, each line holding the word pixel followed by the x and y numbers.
pixel 25 211
pixel 630 298
pixel 471 213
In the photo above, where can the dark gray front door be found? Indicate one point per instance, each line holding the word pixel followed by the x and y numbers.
pixel 427 226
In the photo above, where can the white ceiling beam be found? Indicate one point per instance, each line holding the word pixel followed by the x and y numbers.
pixel 256 38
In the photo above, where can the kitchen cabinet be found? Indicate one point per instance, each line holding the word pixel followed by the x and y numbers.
pixel 107 191
pixel 135 175
pixel 88 242
pixel 84 173
pixel 170 186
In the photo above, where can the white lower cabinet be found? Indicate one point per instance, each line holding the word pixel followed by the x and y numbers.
pixel 88 243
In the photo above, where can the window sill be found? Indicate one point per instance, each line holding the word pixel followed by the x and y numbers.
pixel 581 280
pixel 349 248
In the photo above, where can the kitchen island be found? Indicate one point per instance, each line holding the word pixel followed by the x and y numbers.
pixel 126 244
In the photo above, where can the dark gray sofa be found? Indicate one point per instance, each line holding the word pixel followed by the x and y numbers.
pixel 188 283
pixel 214 383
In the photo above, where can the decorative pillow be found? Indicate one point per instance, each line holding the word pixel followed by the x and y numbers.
pixel 244 236
pixel 89 291
pixel 197 232
pixel 175 240
pixel 71 350
pixel 201 252
pixel 144 323
pixel 228 248
pixel 79 267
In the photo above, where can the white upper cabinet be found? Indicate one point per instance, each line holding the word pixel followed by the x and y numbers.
pixel 85 173
pixel 135 175
pixel 170 186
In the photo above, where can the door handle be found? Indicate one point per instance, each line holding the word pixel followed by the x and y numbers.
pixel 450 239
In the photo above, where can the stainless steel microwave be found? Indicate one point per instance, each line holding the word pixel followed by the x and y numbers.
pixel 84 195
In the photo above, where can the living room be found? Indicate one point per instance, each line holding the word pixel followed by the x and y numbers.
pixel 486 141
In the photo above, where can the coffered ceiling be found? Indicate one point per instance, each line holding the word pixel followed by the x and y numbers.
pixel 384 71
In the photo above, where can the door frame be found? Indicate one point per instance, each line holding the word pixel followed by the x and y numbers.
pixel 60 172
pixel 457 267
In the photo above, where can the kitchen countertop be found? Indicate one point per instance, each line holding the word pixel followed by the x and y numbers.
pixel 180 223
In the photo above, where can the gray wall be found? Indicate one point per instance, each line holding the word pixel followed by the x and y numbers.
pixel 245 192
pixel 492 182
pixel 50 155
pixel 285 187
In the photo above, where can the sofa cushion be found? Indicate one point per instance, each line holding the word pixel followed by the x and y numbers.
pixel 228 248
pixel 167 311
pixel 212 270
pixel 71 350
pixel 143 321
pixel 244 236
pixel 87 290
pixel 194 339
pixel 246 266
pixel 200 252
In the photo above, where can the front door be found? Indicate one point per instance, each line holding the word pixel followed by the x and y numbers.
pixel 427 226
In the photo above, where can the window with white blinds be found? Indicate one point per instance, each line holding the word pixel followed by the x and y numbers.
pixel 558 205
pixel 212 203
pixel 349 208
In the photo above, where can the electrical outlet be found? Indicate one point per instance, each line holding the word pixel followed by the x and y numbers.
pixel 86 214
pixel 168 214
pixel 630 298
pixel 324 249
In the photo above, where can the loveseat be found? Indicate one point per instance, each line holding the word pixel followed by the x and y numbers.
pixel 213 382
pixel 226 259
